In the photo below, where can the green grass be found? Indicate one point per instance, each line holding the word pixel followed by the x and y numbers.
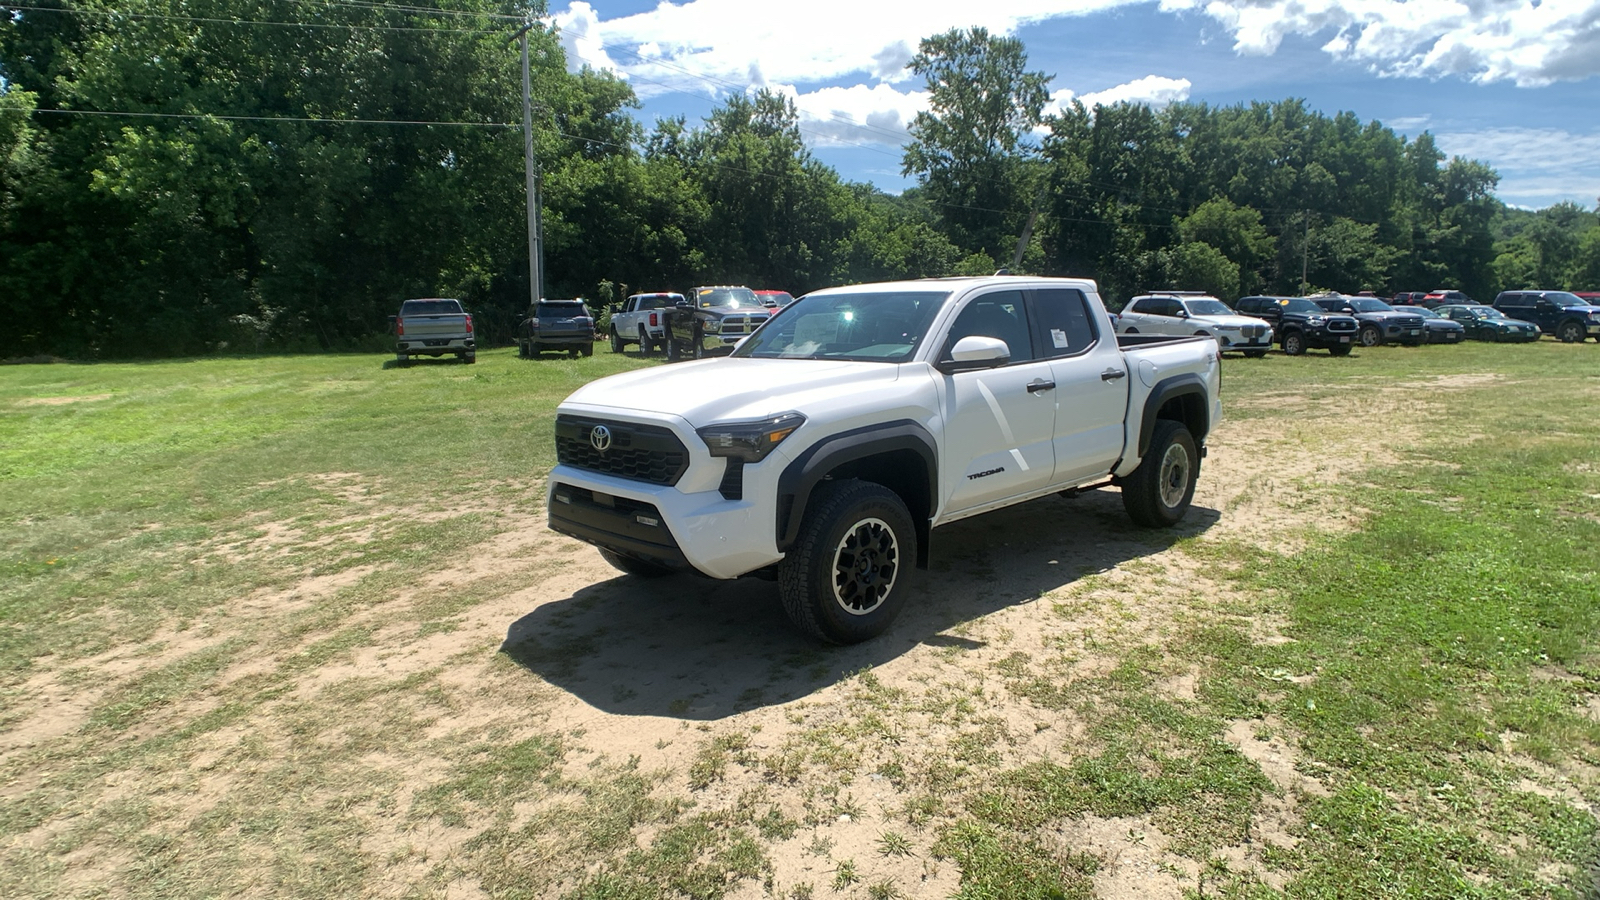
pixel 207 589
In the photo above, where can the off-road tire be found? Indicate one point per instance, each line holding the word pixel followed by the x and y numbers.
pixel 1339 350
pixel 1369 336
pixel 1294 343
pixel 616 341
pixel 1159 491
pixel 845 579
pixel 633 565
pixel 1571 332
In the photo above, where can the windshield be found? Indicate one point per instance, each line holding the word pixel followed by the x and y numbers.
pixel 566 308
pixel 430 308
pixel 1423 312
pixel 1300 304
pixel 726 298
pixel 874 327
pixel 1208 307
pixel 1562 298
pixel 1370 306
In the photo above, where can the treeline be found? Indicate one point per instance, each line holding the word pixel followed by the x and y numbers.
pixel 192 176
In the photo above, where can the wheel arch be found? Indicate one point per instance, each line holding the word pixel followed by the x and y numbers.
pixel 1181 398
pixel 899 455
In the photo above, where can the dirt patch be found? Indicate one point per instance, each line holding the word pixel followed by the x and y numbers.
pixel 61 401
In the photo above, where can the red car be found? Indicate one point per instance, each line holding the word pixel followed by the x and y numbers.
pixel 774 299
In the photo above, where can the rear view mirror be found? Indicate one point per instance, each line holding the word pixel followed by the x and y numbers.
pixel 975 351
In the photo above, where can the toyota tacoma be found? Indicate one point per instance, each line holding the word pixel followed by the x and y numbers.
pixel 826 449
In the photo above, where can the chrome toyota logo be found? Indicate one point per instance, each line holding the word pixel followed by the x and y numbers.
pixel 600 438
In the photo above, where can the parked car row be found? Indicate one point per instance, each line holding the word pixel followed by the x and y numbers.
pixel 714 318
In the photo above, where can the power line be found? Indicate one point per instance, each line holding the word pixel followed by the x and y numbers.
pixel 107 14
pixel 303 119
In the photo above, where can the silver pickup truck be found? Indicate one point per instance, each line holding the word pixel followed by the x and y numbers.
pixel 434 327
pixel 643 319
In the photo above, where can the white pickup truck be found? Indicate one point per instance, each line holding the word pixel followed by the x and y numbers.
pixel 832 442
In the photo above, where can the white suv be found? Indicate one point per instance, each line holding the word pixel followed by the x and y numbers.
pixel 1194 313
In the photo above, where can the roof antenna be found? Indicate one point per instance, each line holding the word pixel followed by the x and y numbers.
pixel 1002 271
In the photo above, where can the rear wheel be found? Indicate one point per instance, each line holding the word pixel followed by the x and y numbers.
pixel 616 341
pixel 645 347
pixel 587 349
pixel 1159 491
pixel 402 360
pixel 1571 332
pixel 469 357
pixel 634 565
pixel 844 581
pixel 1294 343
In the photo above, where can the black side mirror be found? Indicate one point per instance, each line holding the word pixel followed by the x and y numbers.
pixel 682 304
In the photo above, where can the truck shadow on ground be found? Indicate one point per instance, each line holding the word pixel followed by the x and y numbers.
pixel 697 649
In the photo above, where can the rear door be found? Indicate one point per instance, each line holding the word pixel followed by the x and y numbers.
pixel 1000 422
pixel 1091 384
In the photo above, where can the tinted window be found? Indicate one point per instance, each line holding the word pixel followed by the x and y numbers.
pixel 430 308
pixel 1061 323
pixel 561 309
pixel 998 315
pixel 1371 306
pixel 657 301
pixel 1249 305
pixel 1299 305
pixel 1150 306
pixel 1209 307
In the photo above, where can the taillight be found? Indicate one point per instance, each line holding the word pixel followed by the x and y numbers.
pixel 653 322
pixel 533 323
pixel 469 324
pixel 400 326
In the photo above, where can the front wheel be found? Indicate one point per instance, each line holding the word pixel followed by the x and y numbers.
pixel 1339 350
pixel 699 342
pixel 844 581
pixel 1571 332
pixel 1369 336
pixel 1294 343
pixel 1159 491
pixel 634 565
pixel 672 347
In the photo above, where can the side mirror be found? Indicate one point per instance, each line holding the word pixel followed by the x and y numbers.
pixel 682 304
pixel 1182 313
pixel 975 351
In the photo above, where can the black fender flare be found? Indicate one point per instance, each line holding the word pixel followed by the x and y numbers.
pixel 801 476
pixel 1198 412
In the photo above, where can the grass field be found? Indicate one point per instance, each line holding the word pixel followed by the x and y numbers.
pixel 293 627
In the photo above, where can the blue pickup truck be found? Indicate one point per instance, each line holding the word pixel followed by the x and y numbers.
pixel 1561 313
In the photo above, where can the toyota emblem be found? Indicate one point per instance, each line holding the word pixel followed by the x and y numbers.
pixel 600 438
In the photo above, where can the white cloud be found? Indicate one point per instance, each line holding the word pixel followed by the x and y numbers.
pixel 713 46
pixel 1528 160
pixel 1529 44
pixel 879 114
pixel 1154 90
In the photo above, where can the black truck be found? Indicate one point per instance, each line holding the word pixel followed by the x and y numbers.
pixel 1300 324
pixel 711 319
pixel 1561 313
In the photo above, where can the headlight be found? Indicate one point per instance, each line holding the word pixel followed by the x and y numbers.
pixel 712 326
pixel 749 441
pixel 1316 320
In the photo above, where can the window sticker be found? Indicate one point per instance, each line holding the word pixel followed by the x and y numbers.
pixel 1059 338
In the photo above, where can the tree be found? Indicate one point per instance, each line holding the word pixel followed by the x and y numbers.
pixel 971 150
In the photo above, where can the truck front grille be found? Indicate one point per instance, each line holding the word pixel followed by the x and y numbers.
pixel 1342 325
pixel 641 452
pixel 741 324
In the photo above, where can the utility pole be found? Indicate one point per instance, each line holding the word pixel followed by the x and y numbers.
pixel 1305 241
pixel 530 169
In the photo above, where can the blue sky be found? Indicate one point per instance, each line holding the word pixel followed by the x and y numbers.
pixel 1514 83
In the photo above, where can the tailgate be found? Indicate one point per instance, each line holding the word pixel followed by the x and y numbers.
pixel 435 326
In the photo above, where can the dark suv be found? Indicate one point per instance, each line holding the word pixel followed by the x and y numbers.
pixel 1565 315
pixel 557 325
pixel 1380 322
pixel 713 318
pixel 1300 324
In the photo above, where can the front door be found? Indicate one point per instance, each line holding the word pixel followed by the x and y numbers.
pixel 1000 422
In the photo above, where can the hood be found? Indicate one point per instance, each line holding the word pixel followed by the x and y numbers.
pixel 729 389
pixel 1234 321
pixel 1585 308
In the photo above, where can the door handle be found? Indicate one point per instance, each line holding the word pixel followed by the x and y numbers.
pixel 1112 374
pixel 1038 385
